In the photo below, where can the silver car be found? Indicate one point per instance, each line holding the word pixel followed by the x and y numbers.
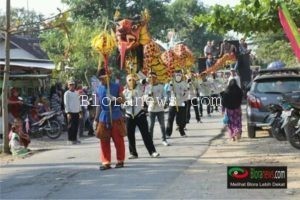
pixel 267 88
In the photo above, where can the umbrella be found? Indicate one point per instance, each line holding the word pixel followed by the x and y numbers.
pixel 276 65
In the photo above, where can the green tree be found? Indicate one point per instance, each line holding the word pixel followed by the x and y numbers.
pixel 81 58
pixel 259 20
pixel 272 47
pixel 23 22
pixel 248 17
pixel 95 10
pixel 181 14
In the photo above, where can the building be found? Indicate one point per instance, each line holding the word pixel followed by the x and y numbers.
pixel 30 67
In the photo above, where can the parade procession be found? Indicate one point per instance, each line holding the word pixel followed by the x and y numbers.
pixel 156 99
pixel 157 81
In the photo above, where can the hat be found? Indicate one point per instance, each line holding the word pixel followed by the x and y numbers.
pixel 71 82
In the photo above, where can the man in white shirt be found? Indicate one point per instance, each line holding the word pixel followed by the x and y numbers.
pixel 207 49
pixel 235 76
pixel 73 109
pixel 136 117
pixel 178 95
pixel 193 96
pixel 156 99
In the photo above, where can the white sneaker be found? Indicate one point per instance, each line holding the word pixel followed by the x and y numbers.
pixel 155 155
pixel 165 143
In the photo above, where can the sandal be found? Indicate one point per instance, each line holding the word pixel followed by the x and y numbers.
pixel 105 167
pixel 119 165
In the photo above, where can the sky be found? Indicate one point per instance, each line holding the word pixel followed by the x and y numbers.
pixel 49 7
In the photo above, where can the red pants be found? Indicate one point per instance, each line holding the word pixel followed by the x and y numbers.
pixel 105 155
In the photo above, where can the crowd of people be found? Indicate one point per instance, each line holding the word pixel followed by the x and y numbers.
pixel 212 51
pixel 32 111
pixel 121 109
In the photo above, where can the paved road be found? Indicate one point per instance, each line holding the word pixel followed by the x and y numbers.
pixel 72 171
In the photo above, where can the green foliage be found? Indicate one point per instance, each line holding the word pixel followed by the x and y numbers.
pixel 81 56
pixel 23 21
pixel 89 17
pixel 249 17
pixel 273 49
pixel 181 14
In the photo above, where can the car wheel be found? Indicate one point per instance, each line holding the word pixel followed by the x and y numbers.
pixel 251 131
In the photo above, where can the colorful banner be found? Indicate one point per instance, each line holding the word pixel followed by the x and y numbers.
pixel 290 29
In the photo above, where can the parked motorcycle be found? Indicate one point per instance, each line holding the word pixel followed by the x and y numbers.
pixel 276 120
pixel 291 124
pixel 47 124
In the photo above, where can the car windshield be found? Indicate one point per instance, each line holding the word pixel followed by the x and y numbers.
pixel 278 85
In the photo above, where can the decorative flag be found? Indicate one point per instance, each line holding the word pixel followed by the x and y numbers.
pixel 290 29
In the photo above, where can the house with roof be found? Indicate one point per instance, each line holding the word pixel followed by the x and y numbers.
pixel 30 66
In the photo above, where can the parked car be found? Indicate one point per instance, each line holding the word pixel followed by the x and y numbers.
pixel 267 88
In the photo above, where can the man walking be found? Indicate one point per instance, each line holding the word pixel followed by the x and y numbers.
pixel 178 93
pixel 109 120
pixel 155 94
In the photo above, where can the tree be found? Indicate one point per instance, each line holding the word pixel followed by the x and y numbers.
pixel 181 14
pixel 95 10
pixel 23 21
pixel 274 48
pixel 80 56
pixel 248 17
pixel 255 18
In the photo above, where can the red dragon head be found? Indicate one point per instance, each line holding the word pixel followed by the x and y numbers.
pixel 132 32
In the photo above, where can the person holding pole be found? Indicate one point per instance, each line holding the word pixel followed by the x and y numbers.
pixel 109 121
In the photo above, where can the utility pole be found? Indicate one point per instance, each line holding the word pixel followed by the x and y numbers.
pixel 5 81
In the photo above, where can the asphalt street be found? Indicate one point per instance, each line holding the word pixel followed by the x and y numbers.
pixel 72 172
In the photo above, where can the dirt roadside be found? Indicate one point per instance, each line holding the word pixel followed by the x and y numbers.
pixel 261 151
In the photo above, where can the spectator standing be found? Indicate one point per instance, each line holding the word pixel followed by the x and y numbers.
pixel 215 50
pixel 209 61
pixel 225 48
pixel 207 49
pixel 72 109
pixel 14 105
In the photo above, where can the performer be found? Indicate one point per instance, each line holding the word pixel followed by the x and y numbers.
pixel 178 92
pixel 193 96
pixel 109 121
pixel 136 116
pixel 205 92
pixel 156 99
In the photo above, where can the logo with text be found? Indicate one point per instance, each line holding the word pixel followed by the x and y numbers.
pixel 256 177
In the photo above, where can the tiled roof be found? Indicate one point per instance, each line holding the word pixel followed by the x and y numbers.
pixel 31 45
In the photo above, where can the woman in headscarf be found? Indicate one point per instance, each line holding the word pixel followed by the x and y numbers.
pixel 231 101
